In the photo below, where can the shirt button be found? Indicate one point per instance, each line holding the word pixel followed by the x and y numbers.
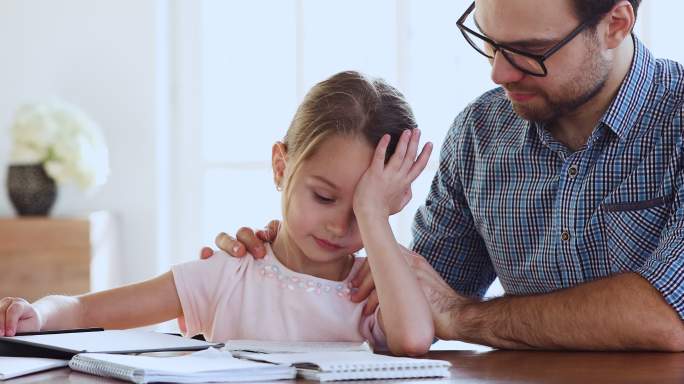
pixel 572 171
pixel 565 236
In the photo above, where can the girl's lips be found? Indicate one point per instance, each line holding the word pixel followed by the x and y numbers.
pixel 326 245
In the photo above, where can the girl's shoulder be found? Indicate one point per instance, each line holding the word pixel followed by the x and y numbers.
pixel 219 266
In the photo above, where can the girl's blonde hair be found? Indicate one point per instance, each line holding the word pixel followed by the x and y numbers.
pixel 349 104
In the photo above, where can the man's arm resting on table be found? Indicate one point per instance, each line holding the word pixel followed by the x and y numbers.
pixel 623 312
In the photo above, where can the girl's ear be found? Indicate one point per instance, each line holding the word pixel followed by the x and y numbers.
pixel 278 163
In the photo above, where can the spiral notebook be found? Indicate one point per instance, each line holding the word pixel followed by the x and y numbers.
pixel 210 365
pixel 333 366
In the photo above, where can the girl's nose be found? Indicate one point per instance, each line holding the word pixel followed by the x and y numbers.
pixel 337 228
pixel 340 225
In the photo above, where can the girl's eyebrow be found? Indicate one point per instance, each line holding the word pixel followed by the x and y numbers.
pixel 326 181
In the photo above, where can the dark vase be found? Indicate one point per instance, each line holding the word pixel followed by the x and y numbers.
pixel 31 190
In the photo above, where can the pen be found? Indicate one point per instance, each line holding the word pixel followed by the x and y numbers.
pixel 75 330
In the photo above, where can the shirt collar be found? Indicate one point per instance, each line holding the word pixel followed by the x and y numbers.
pixel 632 95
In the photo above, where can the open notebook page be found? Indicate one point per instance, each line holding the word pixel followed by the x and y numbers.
pixel 18 366
pixel 294 346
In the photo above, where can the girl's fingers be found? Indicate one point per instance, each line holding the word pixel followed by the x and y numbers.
pixel 399 155
pixel 379 156
pixel 3 309
pixel 420 163
pixel 411 151
pixel 11 318
pixel 12 315
pixel 5 317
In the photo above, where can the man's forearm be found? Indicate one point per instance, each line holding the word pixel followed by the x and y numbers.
pixel 623 312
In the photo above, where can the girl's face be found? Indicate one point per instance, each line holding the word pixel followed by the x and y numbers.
pixel 321 225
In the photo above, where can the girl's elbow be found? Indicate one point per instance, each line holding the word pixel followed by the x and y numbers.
pixel 413 343
pixel 410 348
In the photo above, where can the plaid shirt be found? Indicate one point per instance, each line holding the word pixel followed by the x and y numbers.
pixel 510 201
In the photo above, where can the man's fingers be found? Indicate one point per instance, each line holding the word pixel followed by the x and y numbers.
pixel 371 304
pixel 362 283
pixel 361 274
pixel 226 243
pixel 254 245
pixel 365 288
pixel 206 253
pixel 270 233
pixel 428 277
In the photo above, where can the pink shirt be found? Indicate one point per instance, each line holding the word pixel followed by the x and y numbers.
pixel 227 298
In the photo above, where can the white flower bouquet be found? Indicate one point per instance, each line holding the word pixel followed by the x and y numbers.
pixel 62 138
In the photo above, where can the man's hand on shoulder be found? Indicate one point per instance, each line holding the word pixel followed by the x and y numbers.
pixel 247 241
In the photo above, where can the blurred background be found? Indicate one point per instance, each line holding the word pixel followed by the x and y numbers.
pixel 190 95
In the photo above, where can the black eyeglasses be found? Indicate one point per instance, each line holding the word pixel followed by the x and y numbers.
pixel 529 63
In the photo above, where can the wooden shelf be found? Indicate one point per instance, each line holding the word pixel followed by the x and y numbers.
pixel 41 256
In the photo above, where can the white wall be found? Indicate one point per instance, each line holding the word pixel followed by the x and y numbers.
pixel 101 56
pixel 112 58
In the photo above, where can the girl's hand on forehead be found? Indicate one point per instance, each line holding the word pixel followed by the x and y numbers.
pixel 386 188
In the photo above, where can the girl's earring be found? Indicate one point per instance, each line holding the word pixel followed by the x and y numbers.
pixel 279 188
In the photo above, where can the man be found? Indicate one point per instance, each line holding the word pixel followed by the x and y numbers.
pixel 567 182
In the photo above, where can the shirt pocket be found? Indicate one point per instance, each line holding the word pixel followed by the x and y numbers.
pixel 633 230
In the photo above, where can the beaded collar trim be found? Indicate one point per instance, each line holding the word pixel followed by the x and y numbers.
pixel 271 268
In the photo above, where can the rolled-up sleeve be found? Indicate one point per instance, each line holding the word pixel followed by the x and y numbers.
pixel 665 268
pixel 443 229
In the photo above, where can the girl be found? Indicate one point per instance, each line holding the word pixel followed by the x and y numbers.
pixel 346 164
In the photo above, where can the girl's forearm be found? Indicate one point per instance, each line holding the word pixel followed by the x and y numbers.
pixel 130 306
pixel 406 316
pixel 59 312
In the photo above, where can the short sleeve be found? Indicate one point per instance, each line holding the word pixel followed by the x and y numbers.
pixel 372 332
pixel 203 284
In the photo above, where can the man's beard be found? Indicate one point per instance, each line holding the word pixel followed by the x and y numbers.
pixel 588 82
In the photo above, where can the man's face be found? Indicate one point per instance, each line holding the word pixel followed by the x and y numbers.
pixel 576 73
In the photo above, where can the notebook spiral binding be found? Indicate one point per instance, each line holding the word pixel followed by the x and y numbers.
pixel 383 367
pixel 102 369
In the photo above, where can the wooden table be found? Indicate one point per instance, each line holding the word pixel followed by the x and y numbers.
pixel 502 367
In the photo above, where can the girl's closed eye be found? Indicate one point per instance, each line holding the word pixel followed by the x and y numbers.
pixel 323 199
